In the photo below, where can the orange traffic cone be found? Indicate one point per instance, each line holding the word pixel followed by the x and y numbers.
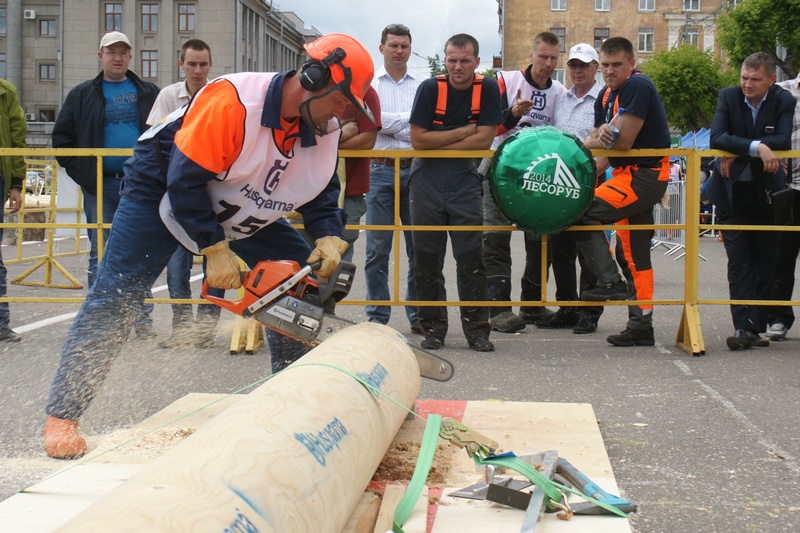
pixel 62 439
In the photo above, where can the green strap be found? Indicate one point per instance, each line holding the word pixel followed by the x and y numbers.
pixel 424 461
pixel 551 489
pixel 524 468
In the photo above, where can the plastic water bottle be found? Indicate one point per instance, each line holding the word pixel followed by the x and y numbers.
pixel 613 126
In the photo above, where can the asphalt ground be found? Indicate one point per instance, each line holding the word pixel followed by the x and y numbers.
pixel 704 443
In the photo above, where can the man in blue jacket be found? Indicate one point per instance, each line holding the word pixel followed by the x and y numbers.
pixel 751 121
pixel 109 111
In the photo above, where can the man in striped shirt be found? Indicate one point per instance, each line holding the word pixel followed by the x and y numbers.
pixel 781 318
pixel 396 86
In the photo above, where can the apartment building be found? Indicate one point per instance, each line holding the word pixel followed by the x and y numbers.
pixel 47 47
pixel 651 25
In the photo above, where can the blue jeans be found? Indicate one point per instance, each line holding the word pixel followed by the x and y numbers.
pixel 380 211
pixel 139 248
pixel 5 313
pixel 179 270
pixel 354 207
pixel 111 198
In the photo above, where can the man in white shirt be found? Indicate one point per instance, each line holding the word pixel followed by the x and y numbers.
pixel 195 60
pixel 781 318
pixel 396 86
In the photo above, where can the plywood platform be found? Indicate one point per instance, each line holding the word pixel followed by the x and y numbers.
pixel 518 426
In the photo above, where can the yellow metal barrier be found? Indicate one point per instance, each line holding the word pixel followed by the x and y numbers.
pixel 689 336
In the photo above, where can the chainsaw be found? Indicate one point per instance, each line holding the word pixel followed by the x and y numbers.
pixel 287 299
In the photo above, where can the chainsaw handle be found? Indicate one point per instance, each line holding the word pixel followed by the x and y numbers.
pixel 235 306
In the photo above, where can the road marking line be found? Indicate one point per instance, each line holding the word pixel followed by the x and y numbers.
pixel 789 460
pixel 69 316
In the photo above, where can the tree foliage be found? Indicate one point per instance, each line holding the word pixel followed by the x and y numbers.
pixel 688 81
pixel 436 65
pixel 761 26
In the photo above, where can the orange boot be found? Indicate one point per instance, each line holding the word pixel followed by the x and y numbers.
pixel 62 439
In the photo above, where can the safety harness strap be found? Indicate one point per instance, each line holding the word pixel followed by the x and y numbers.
pixel 441 99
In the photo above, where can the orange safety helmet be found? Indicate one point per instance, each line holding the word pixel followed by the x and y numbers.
pixel 353 74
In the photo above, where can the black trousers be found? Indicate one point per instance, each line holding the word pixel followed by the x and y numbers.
pixel 447 192
pixel 564 251
pixel 783 283
pixel 751 258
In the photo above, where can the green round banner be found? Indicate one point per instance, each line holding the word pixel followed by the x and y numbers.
pixel 542 179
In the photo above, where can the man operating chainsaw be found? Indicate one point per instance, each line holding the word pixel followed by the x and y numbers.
pixel 217 176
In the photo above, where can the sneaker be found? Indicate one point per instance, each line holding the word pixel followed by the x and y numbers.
pixel 585 326
pixel 481 344
pixel 612 291
pixel 633 337
pixel 507 322
pixel 432 343
pixel 536 313
pixel 776 331
pixel 145 331
pixel 9 335
pixel 760 341
pixel 563 318
pixel 417 329
pixel 741 339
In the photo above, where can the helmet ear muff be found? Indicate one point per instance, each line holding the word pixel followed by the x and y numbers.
pixel 316 73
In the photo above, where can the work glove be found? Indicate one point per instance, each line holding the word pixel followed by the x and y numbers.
pixel 329 250
pixel 222 269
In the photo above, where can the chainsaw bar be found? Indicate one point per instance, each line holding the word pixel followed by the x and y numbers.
pixel 309 324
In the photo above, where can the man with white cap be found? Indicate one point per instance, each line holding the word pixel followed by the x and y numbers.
pixel 218 177
pixel 575 115
pixel 109 111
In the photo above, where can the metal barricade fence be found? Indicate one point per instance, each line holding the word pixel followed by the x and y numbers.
pixel 683 213
pixel 674 240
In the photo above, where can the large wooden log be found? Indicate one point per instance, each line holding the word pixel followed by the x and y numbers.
pixel 295 455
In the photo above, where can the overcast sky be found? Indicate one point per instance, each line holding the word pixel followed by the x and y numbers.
pixel 431 23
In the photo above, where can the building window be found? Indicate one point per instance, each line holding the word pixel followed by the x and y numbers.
pixel 150 17
pixel 691 5
pixel 647 5
pixel 646 39
pixel 602 5
pixel 2 65
pixel 562 37
pixel 47 28
pixel 186 13
pixel 47 115
pixel 2 21
pixel 149 64
pixel 600 35
pixel 558 75
pixel 47 72
pixel 113 17
pixel 558 5
pixel 692 36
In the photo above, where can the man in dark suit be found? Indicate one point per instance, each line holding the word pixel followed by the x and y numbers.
pixel 751 121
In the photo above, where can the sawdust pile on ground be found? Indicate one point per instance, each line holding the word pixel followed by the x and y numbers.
pixel 133 443
pixel 400 460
